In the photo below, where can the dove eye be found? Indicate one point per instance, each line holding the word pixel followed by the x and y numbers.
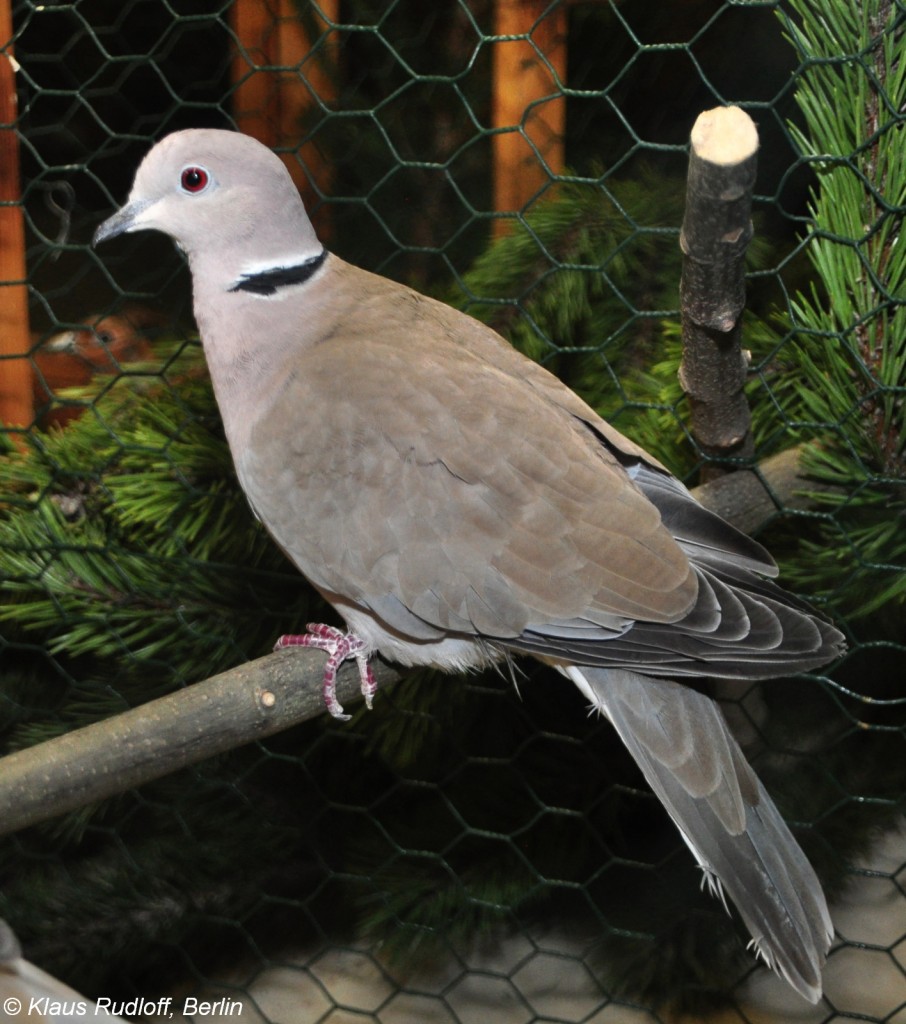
pixel 194 180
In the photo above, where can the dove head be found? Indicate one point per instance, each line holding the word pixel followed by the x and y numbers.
pixel 223 197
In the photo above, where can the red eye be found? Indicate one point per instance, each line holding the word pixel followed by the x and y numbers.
pixel 194 180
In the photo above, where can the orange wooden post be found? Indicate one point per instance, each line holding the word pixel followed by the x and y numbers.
pixel 16 407
pixel 526 94
pixel 271 104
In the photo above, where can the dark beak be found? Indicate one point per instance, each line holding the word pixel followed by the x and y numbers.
pixel 120 222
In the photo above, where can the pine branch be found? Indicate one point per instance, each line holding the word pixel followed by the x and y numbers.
pixel 570 285
pixel 136 519
pixel 848 354
pixel 259 698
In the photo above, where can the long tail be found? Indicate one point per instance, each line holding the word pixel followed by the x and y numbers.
pixel 695 766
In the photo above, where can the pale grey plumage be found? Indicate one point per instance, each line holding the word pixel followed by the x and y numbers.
pixel 456 502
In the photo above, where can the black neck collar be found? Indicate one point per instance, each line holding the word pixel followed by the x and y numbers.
pixel 268 282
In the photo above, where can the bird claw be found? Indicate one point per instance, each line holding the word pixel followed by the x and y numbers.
pixel 340 647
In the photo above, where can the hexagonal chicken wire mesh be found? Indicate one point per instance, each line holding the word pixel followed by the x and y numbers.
pixel 468 850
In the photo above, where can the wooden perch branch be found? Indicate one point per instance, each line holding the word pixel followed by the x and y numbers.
pixel 266 696
pixel 246 703
pixel 716 232
pixel 750 498
pixel 283 689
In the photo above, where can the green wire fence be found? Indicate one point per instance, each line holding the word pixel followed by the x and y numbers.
pixel 465 851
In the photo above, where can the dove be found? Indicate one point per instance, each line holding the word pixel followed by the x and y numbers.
pixel 459 506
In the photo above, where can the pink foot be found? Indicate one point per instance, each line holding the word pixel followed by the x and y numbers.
pixel 340 646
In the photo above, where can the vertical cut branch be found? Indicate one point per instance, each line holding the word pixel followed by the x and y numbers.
pixel 716 231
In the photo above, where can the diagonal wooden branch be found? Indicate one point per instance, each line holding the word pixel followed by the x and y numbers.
pixel 268 695
pixel 246 703
pixel 283 689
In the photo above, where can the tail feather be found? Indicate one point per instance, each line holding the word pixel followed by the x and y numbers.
pixel 693 763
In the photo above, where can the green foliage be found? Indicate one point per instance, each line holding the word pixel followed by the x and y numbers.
pixel 587 283
pixel 132 565
pixel 129 552
pixel 150 877
pixel 835 377
pixel 848 353
pixel 574 284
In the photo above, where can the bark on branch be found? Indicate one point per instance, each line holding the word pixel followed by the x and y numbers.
pixel 266 696
pixel 283 689
pixel 716 232
pixel 246 703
